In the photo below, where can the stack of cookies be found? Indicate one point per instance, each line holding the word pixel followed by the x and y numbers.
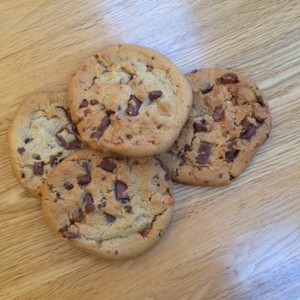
pixel 103 156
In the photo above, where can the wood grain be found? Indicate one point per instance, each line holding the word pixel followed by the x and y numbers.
pixel 235 242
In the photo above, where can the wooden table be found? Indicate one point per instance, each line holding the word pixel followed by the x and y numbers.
pixel 236 242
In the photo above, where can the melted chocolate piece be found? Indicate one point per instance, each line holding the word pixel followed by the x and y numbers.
pixel 120 188
pixel 203 153
pixel 134 105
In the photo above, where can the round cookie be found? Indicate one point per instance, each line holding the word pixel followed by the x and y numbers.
pixel 228 121
pixel 111 206
pixel 41 135
pixel 130 100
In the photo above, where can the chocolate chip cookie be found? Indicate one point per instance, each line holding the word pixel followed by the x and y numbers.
pixel 111 206
pixel 130 100
pixel 41 135
pixel 228 121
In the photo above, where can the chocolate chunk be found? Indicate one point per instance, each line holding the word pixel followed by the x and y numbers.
pixel 206 88
pixel 36 156
pixel 74 144
pixel 145 231
pixel 260 121
pixel 84 103
pixel 110 112
pixel 200 126
pixel 134 105
pixel 105 122
pixel 108 164
pixel 54 159
pixel 23 175
pixel 120 188
pixel 248 130
pixel 260 100
pixel 94 102
pixel 68 185
pixel 194 71
pixel 128 208
pixel 86 178
pixel 102 204
pixel 231 153
pixel 155 95
pixel 89 205
pixel 27 140
pixel 109 218
pixel 229 78
pixel 66 234
pixel 203 153
pixel 38 168
pixel 187 148
pixel 68 116
pixel 218 114
pixel 77 216
pixel 21 150
pixel 233 101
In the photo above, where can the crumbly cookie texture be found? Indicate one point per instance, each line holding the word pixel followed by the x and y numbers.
pixel 111 206
pixel 229 120
pixel 130 100
pixel 41 135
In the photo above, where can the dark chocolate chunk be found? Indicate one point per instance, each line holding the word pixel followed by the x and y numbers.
pixel 102 204
pixel 155 95
pixel 260 100
pixel 86 178
pixel 248 130
pixel 38 168
pixel 109 218
pixel 194 71
pixel 66 234
pixel 145 231
pixel 203 153
pixel 105 122
pixel 74 144
pixel 128 208
pixel 77 216
pixel 218 114
pixel 134 105
pixel 200 126
pixel 94 102
pixel 89 205
pixel 108 164
pixel 110 112
pixel 27 140
pixel 21 150
pixel 120 188
pixel 231 152
pixel 54 159
pixel 229 78
pixel 23 175
pixel 84 103
pixel 206 88
pixel 68 185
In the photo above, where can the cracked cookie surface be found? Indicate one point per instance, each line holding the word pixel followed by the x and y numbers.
pixel 228 122
pixel 41 135
pixel 130 100
pixel 111 206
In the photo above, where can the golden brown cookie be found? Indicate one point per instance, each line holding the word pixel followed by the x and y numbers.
pixel 41 135
pixel 228 122
pixel 111 206
pixel 130 100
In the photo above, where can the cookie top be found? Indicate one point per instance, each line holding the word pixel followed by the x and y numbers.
pixel 130 100
pixel 228 121
pixel 111 206
pixel 41 135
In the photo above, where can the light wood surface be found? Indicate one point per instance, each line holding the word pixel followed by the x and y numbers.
pixel 236 242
